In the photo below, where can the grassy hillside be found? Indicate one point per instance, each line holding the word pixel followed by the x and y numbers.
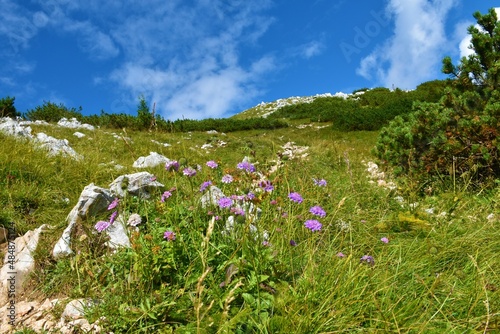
pixel 383 260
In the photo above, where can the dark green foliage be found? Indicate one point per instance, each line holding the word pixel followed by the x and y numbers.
pixel 145 118
pixel 51 112
pixel 370 110
pixel 456 139
pixel 226 124
pixel 7 108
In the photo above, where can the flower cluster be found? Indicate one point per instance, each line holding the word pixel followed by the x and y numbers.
pixel 172 165
pixel 245 165
pixel 295 197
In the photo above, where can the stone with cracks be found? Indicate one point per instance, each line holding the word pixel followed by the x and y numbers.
pixel 152 160
pixel 211 197
pixel 16 269
pixel 139 184
pixel 56 146
pixel 93 200
pixel 14 128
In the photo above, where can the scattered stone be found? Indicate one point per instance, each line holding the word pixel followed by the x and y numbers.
pixel 211 197
pixel 73 123
pixel 162 144
pixel 152 160
pixel 57 146
pixel 79 134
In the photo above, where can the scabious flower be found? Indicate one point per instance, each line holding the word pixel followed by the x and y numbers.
pixel 188 171
pixel 318 211
pixel 165 195
pixel 172 165
pixel 250 196
pixel 384 240
pixel 212 164
pixel 113 204
pixel 227 178
pixel 134 219
pixel 205 185
pixel 113 217
pixel 225 202
pixel 169 236
pixel 267 186
pixel 313 225
pixel 295 197
pixel 368 260
pixel 101 226
pixel 245 165
pixel 320 183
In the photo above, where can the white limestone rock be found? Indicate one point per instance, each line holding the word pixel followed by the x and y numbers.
pixel 152 160
pixel 92 201
pixel 139 184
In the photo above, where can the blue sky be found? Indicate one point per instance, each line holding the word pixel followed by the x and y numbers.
pixel 215 58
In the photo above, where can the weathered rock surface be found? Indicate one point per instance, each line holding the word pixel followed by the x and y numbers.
pixel 152 160
pixel 17 264
pixel 139 184
pixel 93 200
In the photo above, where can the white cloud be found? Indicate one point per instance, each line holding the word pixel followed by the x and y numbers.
pixel 413 54
pixel 186 58
pixel 465 41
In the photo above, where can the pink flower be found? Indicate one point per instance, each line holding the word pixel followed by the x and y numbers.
pixel 169 236
pixel 385 240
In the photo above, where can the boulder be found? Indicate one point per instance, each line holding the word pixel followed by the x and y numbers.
pixel 93 200
pixel 138 184
pixel 152 160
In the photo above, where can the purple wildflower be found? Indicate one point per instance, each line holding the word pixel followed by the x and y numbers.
pixel 385 240
pixel 165 195
pixel 153 178
pixel 101 226
pixel 227 178
pixel 250 196
pixel 134 219
pixel 205 185
pixel 172 165
pixel 295 197
pixel 212 164
pixel 113 204
pixel 267 186
pixel 238 211
pixel 320 183
pixel 169 236
pixel 188 171
pixel 293 243
pixel 225 202
pixel 318 211
pixel 367 259
pixel 313 225
pixel 245 165
pixel 340 254
pixel 113 217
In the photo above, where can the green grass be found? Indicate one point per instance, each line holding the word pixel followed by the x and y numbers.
pixel 437 274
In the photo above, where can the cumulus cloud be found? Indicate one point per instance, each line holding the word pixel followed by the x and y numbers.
pixel 186 59
pixel 465 40
pixel 413 53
